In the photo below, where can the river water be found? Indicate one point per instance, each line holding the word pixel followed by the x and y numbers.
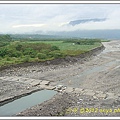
pixel 25 102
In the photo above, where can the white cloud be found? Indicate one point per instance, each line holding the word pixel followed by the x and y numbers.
pixel 28 25
pixel 55 17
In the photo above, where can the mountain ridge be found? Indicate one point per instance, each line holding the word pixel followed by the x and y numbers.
pixel 76 22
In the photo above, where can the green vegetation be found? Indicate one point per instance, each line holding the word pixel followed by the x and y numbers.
pixel 15 52
pixel 5 40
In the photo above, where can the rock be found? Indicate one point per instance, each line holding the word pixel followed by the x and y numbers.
pixel 27 80
pixel 47 87
pixel 50 87
pixel 78 90
pixel 35 83
pixel 95 97
pixel 44 82
pixel 69 89
pixel 1 78
pixel 58 87
pixel 33 70
pixel 28 88
pixel 101 95
pixel 111 96
pixel 98 92
pixel 88 92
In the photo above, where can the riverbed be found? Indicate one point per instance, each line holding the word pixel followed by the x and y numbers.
pixel 97 73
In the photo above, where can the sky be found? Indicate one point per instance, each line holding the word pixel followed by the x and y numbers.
pixel 22 18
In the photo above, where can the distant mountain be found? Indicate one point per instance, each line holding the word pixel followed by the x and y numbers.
pixel 76 22
pixel 113 34
pixel 102 34
pixel 33 36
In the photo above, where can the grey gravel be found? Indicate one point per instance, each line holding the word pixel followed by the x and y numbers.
pixel 96 79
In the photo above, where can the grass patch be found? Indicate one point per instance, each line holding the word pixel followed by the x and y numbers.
pixel 70 46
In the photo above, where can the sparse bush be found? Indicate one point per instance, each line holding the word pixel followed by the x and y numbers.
pixel 45 51
pixel 30 51
pixel 54 48
pixel 37 46
pixel 7 58
pixel 19 47
pixel 26 58
pixel 14 54
pixel 56 54
pixel 3 52
pixel 3 43
pixel 41 56
pixel 1 58
pixel 6 38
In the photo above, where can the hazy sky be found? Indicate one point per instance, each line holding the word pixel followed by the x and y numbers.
pixel 20 18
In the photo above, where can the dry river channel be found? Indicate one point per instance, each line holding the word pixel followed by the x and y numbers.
pixel 86 87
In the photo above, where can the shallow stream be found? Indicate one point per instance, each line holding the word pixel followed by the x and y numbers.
pixel 12 108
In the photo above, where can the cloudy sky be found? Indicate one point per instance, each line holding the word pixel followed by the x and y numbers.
pixel 19 18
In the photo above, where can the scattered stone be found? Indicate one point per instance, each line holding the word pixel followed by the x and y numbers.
pixel 69 89
pixel 1 78
pixel 108 103
pixel 98 92
pixel 42 86
pixel 35 83
pixel 101 95
pixel 78 90
pixel 39 71
pixel 95 97
pixel 28 80
pixel 28 88
pixel 88 92
pixel 110 95
pixel 44 82
pixel 47 87
pixel 24 79
pixel 50 87
pixel 33 70
pixel 58 87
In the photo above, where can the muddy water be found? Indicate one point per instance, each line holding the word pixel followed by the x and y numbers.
pixel 23 103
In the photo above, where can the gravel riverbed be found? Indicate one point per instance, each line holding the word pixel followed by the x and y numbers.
pixel 99 72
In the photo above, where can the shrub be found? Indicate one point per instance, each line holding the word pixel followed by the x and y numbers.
pixel 5 38
pixel 14 54
pixel 56 54
pixel 37 46
pixel 1 58
pixel 54 48
pixel 30 51
pixel 7 58
pixel 45 51
pixel 3 43
pixel 19 47
pixel 3 52
pixel 41 56
pixel 26 58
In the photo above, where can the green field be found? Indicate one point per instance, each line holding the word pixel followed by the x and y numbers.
pixel 70 46
pixel 15 52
